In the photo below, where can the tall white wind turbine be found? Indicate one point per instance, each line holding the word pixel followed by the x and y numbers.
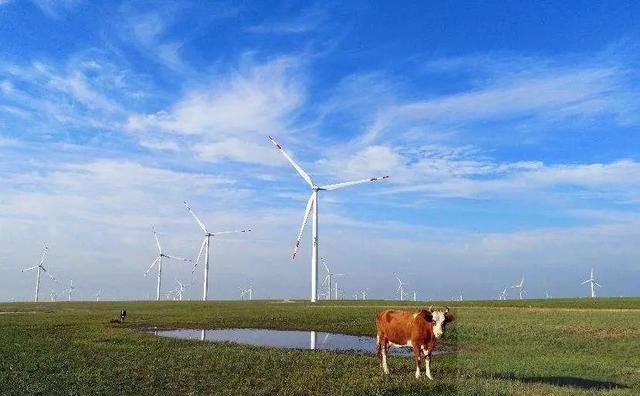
pixel 206 242
pixel 592 282
pixel 502 295
pixel 312 204
pixel 401 286
pixel 40 267
pixel 98 294
pixel 520 287
pixel 158 261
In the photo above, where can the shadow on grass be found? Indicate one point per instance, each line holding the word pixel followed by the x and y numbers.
pixel 582 383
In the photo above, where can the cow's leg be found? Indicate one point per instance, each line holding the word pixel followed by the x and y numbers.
pixel 416 355
pixel 385 349
pixel 427 363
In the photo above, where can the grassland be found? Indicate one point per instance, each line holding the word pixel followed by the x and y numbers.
pixel 544 347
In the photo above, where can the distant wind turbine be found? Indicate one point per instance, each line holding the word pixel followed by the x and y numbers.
pixel 329 279
pixel 158 261
pixel 98 294
pixel 312 204
pixel 206 243
pixel 592 282
pixel 70 289
pixel 502 295
pixel 520 287
pixel 40 267
pixel 401 286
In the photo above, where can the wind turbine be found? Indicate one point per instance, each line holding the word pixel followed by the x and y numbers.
pixel 520 287
pixel 52 295
pixel 312 204
pixel 98 294
pixel 158 261
pixel 401 286
pixel 415 298
pixel 70 289
pixel 327 280
pixel 502 295
pixel 179 290
pixel 206 242
pixel 364 294
pixel 40 267
pixel 592 282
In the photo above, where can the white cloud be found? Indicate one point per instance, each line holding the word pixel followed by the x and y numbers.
pixel 595 91
pixel 233 114
pixel 161 145
pixel 56 8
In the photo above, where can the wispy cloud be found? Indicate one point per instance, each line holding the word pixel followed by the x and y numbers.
pixel 56 8
pixel 232 115
pixel 595 91
pixel 307 20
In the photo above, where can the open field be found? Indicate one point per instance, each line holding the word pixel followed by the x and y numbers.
pixel 533 347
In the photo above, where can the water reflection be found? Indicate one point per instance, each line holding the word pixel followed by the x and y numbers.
pixel 291 339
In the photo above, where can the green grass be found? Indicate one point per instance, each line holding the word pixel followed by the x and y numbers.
pixel 532 347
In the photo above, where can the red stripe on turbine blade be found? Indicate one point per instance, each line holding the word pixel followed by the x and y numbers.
pixel 385 177
pixel 298 244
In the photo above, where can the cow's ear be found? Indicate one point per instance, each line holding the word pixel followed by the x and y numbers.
pixel 448 317
pixel 428 316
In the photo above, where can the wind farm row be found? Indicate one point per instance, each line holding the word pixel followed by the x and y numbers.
pixel 330 286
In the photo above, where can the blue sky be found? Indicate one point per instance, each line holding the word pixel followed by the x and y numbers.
pixel 510 132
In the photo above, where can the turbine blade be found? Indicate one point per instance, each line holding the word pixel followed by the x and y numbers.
pixel 157 240
pixel 49 275
pixel 44 254
pixel 587 281
pixel 302 173
pixel 204 241
pixel 151 266
pixel 351 183
pixel 177 258
pixel 597 284
pixel 304 222
pixel 30 268
pixel 196 217
pixel 327 268
pixel 230 232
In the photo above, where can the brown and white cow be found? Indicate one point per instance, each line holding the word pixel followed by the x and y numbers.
pixel 416 329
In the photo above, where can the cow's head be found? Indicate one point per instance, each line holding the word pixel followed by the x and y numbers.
pixel 440 320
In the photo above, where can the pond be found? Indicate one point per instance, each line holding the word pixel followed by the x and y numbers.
pixel 291 339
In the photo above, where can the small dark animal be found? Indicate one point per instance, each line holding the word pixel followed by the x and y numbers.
pixel 417 329
pixel 123 315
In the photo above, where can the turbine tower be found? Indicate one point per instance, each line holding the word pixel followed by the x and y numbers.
pixel 592 282
pixel 520 287
pixel 40 267
pixel 401 286
pixel 312 204
pixel 158 261
pixel 98 294
pixel 206 242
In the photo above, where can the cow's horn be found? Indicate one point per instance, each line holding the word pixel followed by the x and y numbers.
pixel 431 308
pixel 446 310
